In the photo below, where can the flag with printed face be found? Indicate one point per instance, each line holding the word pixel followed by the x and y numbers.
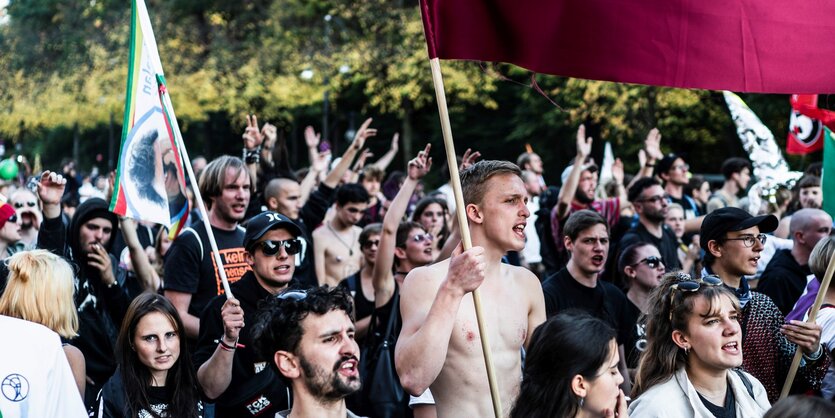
pixel 805 133
pixel 150 184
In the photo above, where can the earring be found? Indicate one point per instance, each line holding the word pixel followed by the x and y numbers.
pixel 581 401
pixel 686 351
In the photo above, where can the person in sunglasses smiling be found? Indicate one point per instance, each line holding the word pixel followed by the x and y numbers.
pixel 232 374
pixel 733 239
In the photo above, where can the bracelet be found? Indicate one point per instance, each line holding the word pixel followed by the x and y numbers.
pixel 814 356
pixel 649 165
pixel 227 347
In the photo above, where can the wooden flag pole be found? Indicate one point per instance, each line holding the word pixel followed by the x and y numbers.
pixel 461 212
pixel 186 161
pixel 827 278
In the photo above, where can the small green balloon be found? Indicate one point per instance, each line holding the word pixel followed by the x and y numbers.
pixel 8 169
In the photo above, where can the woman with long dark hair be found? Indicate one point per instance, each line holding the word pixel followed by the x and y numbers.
pixel 641 270
pixel 432 213
pixel 571 370
pixel 691 365
pixel 155 377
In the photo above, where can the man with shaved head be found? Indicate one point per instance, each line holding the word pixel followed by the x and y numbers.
pixel 784 278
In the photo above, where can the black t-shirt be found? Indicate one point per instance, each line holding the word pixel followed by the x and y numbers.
pixel 362 306
pixel 190 266
pixel 255 389
pixel 604 301
pixel 636 341
pixel 783 280
pixel 691 209
pixel 667 245
pixel 726 411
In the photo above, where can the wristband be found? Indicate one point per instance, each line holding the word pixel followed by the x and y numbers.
pixel 814 356
pixel 649 165
pixel 227 347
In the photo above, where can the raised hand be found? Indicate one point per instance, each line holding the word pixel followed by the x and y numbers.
pixel 617 171
pixel 395 143
pixel 583 144
pixel 419 166
pixel 468 159
pixel 360 164
pixel 652 145
pixel 363 133
pixel 311 138
pixel 252 135
pixel 321 161
pixel 51 188
pixel 270 133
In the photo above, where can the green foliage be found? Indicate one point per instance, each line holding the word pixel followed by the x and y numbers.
pixel 64 64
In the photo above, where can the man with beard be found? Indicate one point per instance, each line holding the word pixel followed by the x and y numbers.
pixel 577 286
pixel 309 338
pixel 737 173
pixel 650 203
pixel 191 277
pixel 579 182
pixel 29 213
pixel 231 372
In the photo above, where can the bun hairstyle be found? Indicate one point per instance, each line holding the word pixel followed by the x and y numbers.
pixel 663 357
pixel 40 289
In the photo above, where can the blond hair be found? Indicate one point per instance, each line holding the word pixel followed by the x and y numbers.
pixel 40 289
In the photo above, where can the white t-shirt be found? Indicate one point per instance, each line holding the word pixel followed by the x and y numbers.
pixel 531 250
pixel 826 319
pixel 35 377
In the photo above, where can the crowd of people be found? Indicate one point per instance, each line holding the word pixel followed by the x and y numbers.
pixel 653 294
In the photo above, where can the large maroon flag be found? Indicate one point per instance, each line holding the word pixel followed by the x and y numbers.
pixel 774 46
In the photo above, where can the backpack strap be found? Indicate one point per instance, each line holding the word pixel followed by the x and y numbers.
pixel 746 382
pixel 196 236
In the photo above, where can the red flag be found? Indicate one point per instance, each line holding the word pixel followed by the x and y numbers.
pixel 805 133
pixel 771 46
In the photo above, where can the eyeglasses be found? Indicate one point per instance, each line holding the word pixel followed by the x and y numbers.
pixel 370 243
pixel 654 199
pixel 293 295
pixel 687 284
pixel 271 248
pixel 682 167
pixel 652 262
pixel 19 205
pixel 418 238
pixel 748 240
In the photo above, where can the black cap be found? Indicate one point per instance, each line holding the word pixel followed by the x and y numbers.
pixel 666 163
pixel 264 222
pixel 721 221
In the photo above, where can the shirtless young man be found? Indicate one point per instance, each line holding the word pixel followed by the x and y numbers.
pixel 336 243
pixel 432 350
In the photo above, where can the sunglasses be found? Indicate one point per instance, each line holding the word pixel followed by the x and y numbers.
pixel 688 285
pixel 293 295
pixel 652 262
pixel 19 205
pixel 271 248
pixel 749 240
pixel 418 238
pixel 370 243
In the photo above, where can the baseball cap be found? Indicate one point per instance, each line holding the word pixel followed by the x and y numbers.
pixel 264 222
pixel 588 165
pixel 721 221
pixel 666 163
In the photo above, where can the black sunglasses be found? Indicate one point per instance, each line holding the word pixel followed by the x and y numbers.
pixel 652 262
pixel 370 243
pixel 687 284
pixel 271 248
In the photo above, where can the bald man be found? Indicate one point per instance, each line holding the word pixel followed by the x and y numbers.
pixel 785 276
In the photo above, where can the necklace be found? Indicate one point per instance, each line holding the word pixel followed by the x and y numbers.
pixel 348 246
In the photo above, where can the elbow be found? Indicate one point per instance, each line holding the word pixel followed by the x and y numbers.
pixel 412 384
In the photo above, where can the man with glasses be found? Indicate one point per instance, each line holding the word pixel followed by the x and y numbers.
pixel 336 247
pixel 732 240
pixel 737 173
pixel 577 286
pixel 231 373
pixel 309 339
pixel 650 202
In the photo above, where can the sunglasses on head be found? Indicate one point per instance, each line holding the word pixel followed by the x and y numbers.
pixel 652 262
pixel 370 243
pixel 293 295
pixel 271 248
pixel 687 284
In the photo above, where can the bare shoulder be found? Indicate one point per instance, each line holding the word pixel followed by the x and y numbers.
pixel 427 278
pixel 74 355
pixel 526 281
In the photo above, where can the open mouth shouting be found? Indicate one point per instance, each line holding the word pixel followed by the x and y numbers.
pixel 349 368
pixel 732 348
pixel 519 230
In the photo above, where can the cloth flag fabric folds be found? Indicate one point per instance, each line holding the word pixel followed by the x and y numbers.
pixel 805 133
pixel 767 46
pixel 150 184
pixel 827 117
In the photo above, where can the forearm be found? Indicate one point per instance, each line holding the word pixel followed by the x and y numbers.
pixel 139 259
pixel 568 190
pixel 420 357
pixel 333 177
pixel 385 160
pixel 215 374
pixel 191 324
pixel 398 206
pixel 362 327
pixel 307 185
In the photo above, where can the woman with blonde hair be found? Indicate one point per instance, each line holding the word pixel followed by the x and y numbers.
pixel 40 289
pixel 691 365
